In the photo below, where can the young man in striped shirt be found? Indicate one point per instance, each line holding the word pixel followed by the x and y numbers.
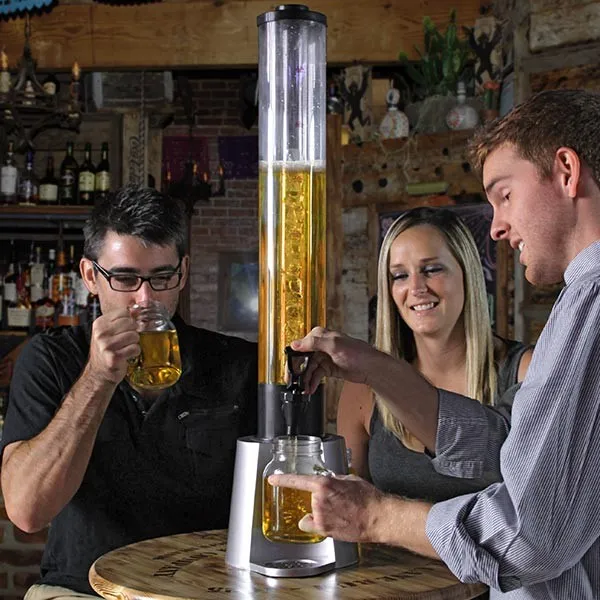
pixel 535 535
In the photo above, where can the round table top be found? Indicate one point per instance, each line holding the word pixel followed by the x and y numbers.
pixel 192 566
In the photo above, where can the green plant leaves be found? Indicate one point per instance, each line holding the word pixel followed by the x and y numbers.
pixel 442 60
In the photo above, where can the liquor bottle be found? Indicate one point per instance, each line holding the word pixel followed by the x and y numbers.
pixel 24 282
pixel 72 269
pixel 37 293
pixel 61 281
pixel 10 285
pixel 87 177
pixel 93 308
pixel 28 185
pixel 49 185
pixel 54 280
pixel 69 173
pixel 103 175
pixel 51 267
pixel 37 269
pixel 68 315
pixel 19 313
pixel 9 177
pixel 43 307
pixel 62 272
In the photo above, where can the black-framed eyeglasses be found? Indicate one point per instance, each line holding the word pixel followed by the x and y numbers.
pixel 130 282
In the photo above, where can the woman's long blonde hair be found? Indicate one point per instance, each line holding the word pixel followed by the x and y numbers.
pixel 393 335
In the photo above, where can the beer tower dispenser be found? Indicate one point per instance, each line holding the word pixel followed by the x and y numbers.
pixel 292 293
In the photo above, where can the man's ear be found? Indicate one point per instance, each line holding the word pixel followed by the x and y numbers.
pixel 88 274
pixel 567 164
pixel 185 270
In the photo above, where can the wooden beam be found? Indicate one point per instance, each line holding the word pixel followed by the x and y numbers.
pixel 207 33
pixel 573 22
pixel 562 58
pixel 335 248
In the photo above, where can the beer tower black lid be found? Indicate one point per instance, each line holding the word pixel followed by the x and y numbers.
pixel 291 11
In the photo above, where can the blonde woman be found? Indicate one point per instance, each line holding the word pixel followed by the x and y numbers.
pixel 432 311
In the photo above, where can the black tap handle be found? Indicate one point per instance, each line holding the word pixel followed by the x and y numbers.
pixel 297 362
pixel 294 402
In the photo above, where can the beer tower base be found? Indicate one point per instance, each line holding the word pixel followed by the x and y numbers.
pixel 247 548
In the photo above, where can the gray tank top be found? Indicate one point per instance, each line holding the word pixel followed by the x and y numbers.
pixel 396 469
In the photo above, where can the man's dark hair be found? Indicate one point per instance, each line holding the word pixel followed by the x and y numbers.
pixel 138 211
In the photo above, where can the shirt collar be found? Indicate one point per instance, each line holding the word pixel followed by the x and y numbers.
pixel 585 262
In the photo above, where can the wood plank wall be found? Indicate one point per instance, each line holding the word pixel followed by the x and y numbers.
pixel 205 33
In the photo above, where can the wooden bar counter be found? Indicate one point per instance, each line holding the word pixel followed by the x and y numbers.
pixel 192 566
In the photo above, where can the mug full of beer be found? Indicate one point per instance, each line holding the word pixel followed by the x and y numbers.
pixel 158 366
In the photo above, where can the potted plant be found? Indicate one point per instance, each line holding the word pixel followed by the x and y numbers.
pixel 434 77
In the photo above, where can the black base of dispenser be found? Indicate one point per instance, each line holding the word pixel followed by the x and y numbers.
pixel 271 423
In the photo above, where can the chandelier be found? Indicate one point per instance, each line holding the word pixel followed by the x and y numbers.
pixel 27 107
pixel 193 186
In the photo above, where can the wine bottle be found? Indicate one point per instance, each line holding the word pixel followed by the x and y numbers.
pixel 28 185
pixel 9 177
pixel 49 185
pixel 87 177
pixel 103 175
pixel 69 172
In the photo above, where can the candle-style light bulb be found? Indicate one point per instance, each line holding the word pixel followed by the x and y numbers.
pixel 75 71
pixel 4 74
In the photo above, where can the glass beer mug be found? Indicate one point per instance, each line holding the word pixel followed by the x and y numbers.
pixel 158 366
pixel 284 507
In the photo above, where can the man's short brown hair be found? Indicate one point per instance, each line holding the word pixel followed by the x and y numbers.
pixel 540 126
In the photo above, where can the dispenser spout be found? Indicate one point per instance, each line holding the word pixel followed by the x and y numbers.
pixel 294 400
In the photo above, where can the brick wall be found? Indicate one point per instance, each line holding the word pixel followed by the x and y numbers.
pixel 226 223
pixel 20 556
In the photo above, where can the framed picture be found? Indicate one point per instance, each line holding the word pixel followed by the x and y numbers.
pixel 238 291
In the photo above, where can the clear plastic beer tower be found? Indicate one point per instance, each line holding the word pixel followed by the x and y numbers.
pixel 292 138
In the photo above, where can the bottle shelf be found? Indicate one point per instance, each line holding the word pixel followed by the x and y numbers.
pixel 52 213
pixel 42 222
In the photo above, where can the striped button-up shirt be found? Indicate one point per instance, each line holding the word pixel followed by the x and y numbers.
pixel 536 535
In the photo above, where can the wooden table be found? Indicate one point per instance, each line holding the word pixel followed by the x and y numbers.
pixel 192 566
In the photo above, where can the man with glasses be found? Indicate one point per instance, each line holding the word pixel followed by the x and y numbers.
pixel 104 463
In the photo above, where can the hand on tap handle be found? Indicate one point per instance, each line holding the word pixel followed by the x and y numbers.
pixel 294 398
pixel 297 364
pixel 336 355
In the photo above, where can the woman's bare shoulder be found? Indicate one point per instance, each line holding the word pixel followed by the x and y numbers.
pixel 356 403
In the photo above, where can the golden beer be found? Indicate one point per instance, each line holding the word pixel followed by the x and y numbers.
pixel 158 365
pixel 282 509
pixel 292 260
